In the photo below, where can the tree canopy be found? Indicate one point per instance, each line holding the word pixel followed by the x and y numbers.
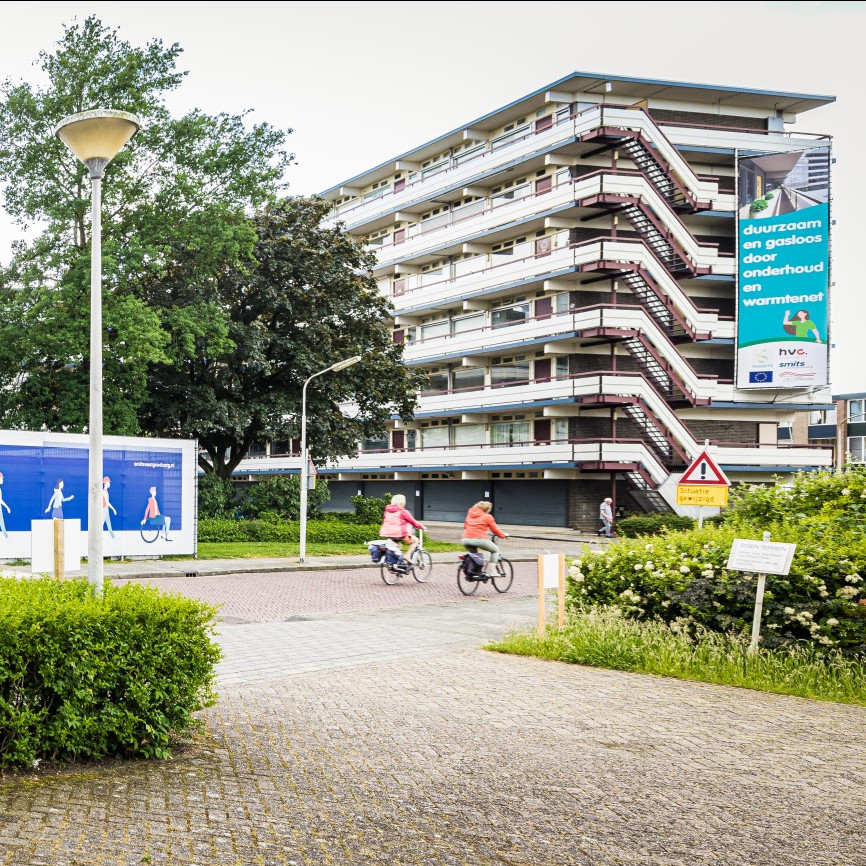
pixel 219 296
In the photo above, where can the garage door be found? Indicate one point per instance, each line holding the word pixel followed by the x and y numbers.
pixel 341 494
pixel 450 500
pixel 531 503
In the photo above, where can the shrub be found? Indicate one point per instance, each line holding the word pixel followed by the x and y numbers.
pixel 681 576
pixel 651 524
pixel 216 496
pixel 87 677
pixel 369 509
pixel 280 495
pixel 770 195
pixel 285 532
pixel 758 205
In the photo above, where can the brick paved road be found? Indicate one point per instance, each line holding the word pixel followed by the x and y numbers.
pixel 279 596
pixel 384 737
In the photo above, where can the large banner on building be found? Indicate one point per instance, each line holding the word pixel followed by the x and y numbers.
pixel 783 270
pixel 148 492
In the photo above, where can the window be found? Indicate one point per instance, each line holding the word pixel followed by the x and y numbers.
pixel 508 433
pixel 434 437
pixel 560 428
pixel 435 329
pixel 516 371
pixel 856 448
pixel 468 378
pixel 469 434
pixel 467 323
pixel 856 410
pixel 510 315
pixel 376 444
pixel 562 368
pixel 438 382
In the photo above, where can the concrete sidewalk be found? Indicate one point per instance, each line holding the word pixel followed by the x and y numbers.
pixel 524 544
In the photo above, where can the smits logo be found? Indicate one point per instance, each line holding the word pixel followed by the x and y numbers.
pixel 786 352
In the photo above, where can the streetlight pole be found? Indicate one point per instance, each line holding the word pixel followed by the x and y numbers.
pixel 340 365
pixel 96 137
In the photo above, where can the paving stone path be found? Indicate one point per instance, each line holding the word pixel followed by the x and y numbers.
pixel 386 736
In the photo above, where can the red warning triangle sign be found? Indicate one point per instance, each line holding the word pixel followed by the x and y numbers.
pixel 704 470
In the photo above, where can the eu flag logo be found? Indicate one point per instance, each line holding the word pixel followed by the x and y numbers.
pixel 761 377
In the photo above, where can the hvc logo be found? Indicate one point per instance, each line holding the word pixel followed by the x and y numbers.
pixel 786 352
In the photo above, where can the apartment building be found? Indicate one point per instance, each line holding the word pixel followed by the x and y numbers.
pixel 564 270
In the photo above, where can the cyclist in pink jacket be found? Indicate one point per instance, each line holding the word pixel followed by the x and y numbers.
pixel 395 526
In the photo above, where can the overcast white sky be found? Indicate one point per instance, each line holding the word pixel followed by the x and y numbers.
pixel 360 82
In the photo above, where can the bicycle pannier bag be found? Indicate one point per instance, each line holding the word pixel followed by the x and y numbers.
pixel 376 551
pixel 474 563
pixel 391 558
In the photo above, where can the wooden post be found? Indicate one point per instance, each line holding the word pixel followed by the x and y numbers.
pixel 541 624
pixel 759 607
pixel 58 550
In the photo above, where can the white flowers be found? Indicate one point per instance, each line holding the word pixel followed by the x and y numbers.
pixel 789 611
pixel 638 566
pixel 846 492
pixel 831 622
pixel 847 592
pixel 684 569
pixel 854 578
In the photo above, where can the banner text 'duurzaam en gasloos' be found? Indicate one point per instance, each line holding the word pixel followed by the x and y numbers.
pixel 783 263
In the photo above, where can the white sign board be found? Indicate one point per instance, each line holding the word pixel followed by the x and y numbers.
pixel 42 541
pixel 761 557
pixel 550 565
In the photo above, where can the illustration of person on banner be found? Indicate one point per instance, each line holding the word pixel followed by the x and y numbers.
pixel 55 506
pixel 153 518
pixel 2 506
pixel 801 325
pixel 106 505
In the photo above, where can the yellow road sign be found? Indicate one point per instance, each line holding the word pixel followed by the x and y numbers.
pixel 710 495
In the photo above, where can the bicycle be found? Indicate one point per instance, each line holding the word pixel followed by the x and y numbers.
pixel 501 579
pixel 420 564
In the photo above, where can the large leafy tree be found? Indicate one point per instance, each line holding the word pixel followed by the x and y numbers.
pixel 180 189
pixel 244 339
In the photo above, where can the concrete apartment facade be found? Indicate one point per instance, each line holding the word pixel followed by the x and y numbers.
pixel 564 271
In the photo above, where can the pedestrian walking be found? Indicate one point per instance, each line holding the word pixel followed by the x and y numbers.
pixel 605 514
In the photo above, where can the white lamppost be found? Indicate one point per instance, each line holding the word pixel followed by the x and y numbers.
pixel 340 365
pixel 96 137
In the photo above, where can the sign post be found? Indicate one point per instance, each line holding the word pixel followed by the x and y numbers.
pixel 761 557
pixel 551 575
pixel 703 484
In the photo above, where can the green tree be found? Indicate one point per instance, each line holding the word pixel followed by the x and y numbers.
pixel 180 188
pixel 243 341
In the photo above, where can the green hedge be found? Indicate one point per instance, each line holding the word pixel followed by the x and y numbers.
pixel 651 524
pixel 86 677
pixel 286 532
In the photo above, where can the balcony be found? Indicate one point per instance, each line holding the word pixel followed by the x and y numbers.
pixel 486 158
pixel 527 265
pixel 448 231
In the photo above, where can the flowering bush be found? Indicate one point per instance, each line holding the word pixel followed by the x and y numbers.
pixel 680 577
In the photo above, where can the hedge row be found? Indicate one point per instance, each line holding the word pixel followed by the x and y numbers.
pixel 286 532
pixel 87 677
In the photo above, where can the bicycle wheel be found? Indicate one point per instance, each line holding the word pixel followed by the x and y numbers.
pixel 503 575
pixel 466 584
pixel 388 575
pixel 150 533
pixel 422 565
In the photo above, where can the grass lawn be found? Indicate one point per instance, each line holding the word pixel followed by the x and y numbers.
pixel 267 549
pixel 601 638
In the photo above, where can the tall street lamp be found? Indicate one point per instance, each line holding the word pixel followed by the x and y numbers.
pixel 340 365
pixel 96 137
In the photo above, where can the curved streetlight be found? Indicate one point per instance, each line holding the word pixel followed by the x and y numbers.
pixel 96 137
pixel 340 365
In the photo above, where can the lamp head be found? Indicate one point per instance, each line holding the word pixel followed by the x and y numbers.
pixel 97 136
pixel 341 365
